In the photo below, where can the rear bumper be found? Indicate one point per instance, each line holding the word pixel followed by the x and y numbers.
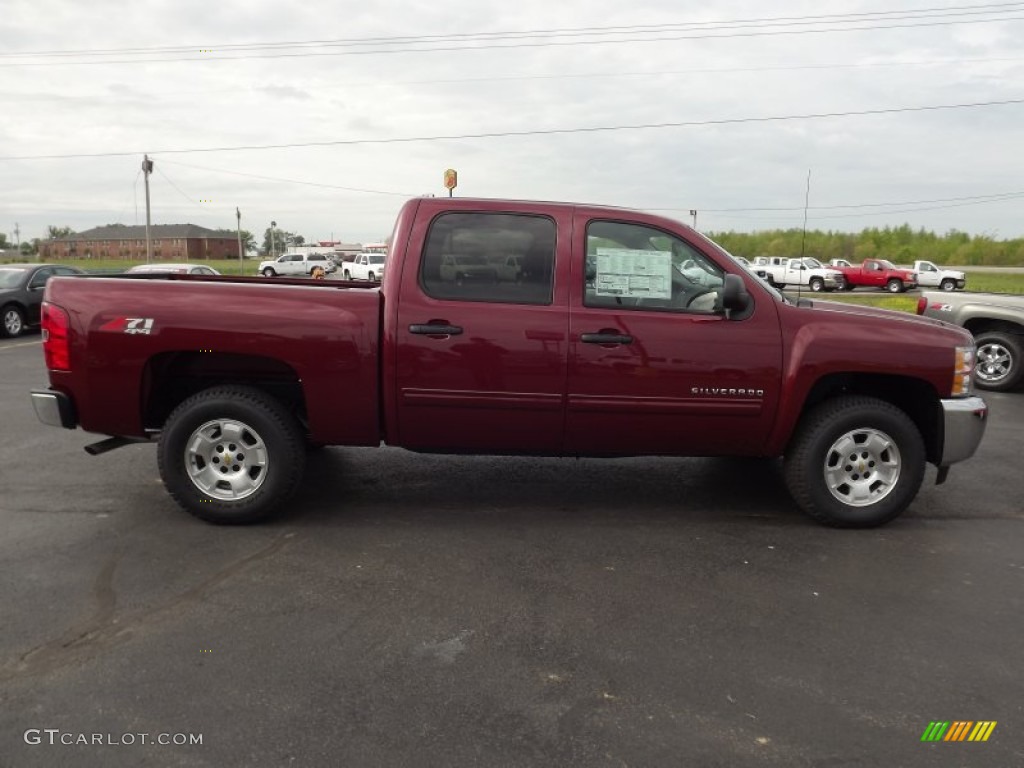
pixel 964 422
pixel 54 408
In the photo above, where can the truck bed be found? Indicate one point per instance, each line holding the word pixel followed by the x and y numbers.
pixel 141 340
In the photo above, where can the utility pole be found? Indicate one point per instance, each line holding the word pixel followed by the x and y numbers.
pixel 273 245
pixel 693 212
pixel 147 168
pixel 238 215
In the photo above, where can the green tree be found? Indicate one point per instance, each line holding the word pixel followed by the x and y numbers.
pixel 282 239
pixel 56 233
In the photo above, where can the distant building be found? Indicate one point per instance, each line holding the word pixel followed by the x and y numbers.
pixel 169 242
pixel 331 248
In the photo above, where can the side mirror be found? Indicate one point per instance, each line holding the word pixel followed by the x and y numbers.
pixel 735 300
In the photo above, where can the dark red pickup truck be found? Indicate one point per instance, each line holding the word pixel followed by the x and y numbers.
pixel 579 331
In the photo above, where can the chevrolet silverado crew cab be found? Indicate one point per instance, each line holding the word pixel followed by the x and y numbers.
pixel 626 334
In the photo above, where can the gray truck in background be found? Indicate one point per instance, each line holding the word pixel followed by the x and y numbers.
pixel 996 320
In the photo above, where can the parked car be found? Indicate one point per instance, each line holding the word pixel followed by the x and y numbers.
pixel 629 358
pixel 172 269
pixel 460 267
pixel 878 273
pixel 297 264
pixel 806 271
pixel 21 293
pixel 931 276
pixel 366 266
pixel 996 321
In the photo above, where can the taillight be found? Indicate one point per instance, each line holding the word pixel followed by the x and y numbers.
pixel 922 304
pixel 56 344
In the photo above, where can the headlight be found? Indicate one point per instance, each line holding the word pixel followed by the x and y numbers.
pixel 963 371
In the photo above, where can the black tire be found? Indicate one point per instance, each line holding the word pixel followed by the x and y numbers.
pixel 948 285
pixel 12 321
pixel 894 285
pixel 848 286
pixel 1000 361
pixel 886 462
pixel 348 275
pixel 371 277
pixel 254 421
pixel 268 272
pixel 816 284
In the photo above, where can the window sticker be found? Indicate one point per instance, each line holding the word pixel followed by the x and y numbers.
pixel 634 274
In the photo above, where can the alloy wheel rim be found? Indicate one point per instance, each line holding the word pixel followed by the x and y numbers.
pixel 862 467
pixel 994 362
pixel 226 459
pixel 12 322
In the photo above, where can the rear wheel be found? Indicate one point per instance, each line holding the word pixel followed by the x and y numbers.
pixel 348 275
pixel 231 455
pixel 13 321
pixel 999 364
pixel 372 277
pixel 268 272
pixel 894 286
pixel 855 462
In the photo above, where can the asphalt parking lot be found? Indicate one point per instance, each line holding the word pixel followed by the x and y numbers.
pixel 444 611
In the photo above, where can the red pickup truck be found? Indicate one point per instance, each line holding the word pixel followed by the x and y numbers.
pixel 623 334
pixel 877 273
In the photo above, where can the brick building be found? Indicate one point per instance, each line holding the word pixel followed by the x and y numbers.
pixel 170 242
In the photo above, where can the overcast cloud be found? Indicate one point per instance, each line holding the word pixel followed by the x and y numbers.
pixel 207 96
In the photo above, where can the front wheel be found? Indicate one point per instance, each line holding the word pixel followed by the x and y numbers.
pixel 948 285
pixel 894 286
pixel 817 284
pixel 268 272
pixel 231 455
pixel 999 361
pixel 13 322
pixel 855 462
pixel 372 277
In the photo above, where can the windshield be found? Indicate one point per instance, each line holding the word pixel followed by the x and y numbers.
pixel 886 264
pixel 10 278
pixel 376 259
pixel 813 263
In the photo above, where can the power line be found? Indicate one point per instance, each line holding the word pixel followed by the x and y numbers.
pixel 291 181
pixel 547 43
pixel 938 12
pixel 994 197
pixel 540 132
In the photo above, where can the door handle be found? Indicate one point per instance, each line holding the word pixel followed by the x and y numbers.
pixel 435 330
pixel 605 338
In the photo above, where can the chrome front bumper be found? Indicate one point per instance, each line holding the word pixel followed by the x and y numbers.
pixel 963 424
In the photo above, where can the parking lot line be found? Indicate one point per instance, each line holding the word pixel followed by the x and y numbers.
pixel 22 344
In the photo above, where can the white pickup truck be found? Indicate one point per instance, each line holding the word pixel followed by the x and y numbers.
pixel 807 271
pixel 367 266
pixel 931 276
pixel 296 264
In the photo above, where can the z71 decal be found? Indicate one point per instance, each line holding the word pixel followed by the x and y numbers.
pixel 129 325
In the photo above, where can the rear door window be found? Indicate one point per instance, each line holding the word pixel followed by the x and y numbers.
pixel 467 257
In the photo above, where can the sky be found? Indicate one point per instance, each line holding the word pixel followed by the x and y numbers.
pixel 325 116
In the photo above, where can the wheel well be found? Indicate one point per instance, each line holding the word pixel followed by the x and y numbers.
pixel 172 377
pixel 979 325
pixel 917 398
